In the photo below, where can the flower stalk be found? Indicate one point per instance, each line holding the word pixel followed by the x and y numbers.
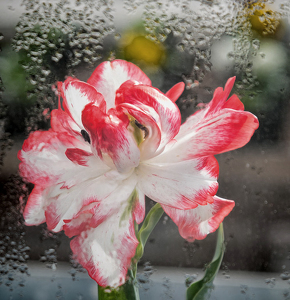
pixel 128 291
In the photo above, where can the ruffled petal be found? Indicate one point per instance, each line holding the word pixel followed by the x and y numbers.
pixel 80 222
pixel 126 197
pixel 109 76
pixel 165 113
pixel 62 122
pixel 183 185
pixel 76 95
pixel 197 223
pixel 43 159
pixel 110 135
pixel 64 204
pixel 34 209
pixel 47 162
pixel 107 257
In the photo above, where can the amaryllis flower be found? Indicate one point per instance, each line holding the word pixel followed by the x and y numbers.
pixel 116 140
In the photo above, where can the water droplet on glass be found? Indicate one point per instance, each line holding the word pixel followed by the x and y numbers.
pixel 270 281
pixel 285 275
pixel 190 279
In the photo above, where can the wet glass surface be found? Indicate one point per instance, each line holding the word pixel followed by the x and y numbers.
pixel 201 43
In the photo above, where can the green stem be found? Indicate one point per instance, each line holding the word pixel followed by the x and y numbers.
pixel 128 291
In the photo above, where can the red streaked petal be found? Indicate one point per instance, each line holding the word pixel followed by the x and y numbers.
pixel 42 156
pixel 167 114
pixel 78 156
pixel 197 223
pixel 81 222
pixel 108 257
pixel 109 134
pixel 109 76
pixel 44 162
pixel 222 126
pixel 174 93
pixel 97 185
pixel 183 185
pixel 124 198
pixel 60 86
pixel 34 210
pixel 77 95
pixel 62 122
pixel 225 131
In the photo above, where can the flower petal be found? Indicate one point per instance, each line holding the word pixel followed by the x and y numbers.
pixel 44 162
pixel 197 223
pixel 79 156
pixel 183 185
pixel 220 97
pixel 108 257
pixel 146 123
pixel 76 95
pixel 222 132
pixel 109 135
pixel 124 195
pixel 80 222
pixel 124 198
pixel 34 209
pixel 174 93
pixel 148 99
pixel 108 77
pixel 223 126
pixel 42 156
pixel 62 122
pixel 234 102
pixel 64 204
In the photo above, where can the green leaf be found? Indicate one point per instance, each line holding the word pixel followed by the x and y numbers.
pixel 148 225
pixel 201 289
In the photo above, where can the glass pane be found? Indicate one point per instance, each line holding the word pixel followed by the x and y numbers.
pixel 201 43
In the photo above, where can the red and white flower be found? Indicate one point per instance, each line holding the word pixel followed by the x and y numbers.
pixel 116 140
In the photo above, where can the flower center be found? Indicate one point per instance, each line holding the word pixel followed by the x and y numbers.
pixel 139 131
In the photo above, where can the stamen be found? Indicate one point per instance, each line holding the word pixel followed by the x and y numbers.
pixel 142 127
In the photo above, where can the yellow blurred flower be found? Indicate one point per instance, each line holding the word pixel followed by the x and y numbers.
pixel 138 47
pixel 263 19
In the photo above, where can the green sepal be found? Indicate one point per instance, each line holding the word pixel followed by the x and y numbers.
pixel 201 289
